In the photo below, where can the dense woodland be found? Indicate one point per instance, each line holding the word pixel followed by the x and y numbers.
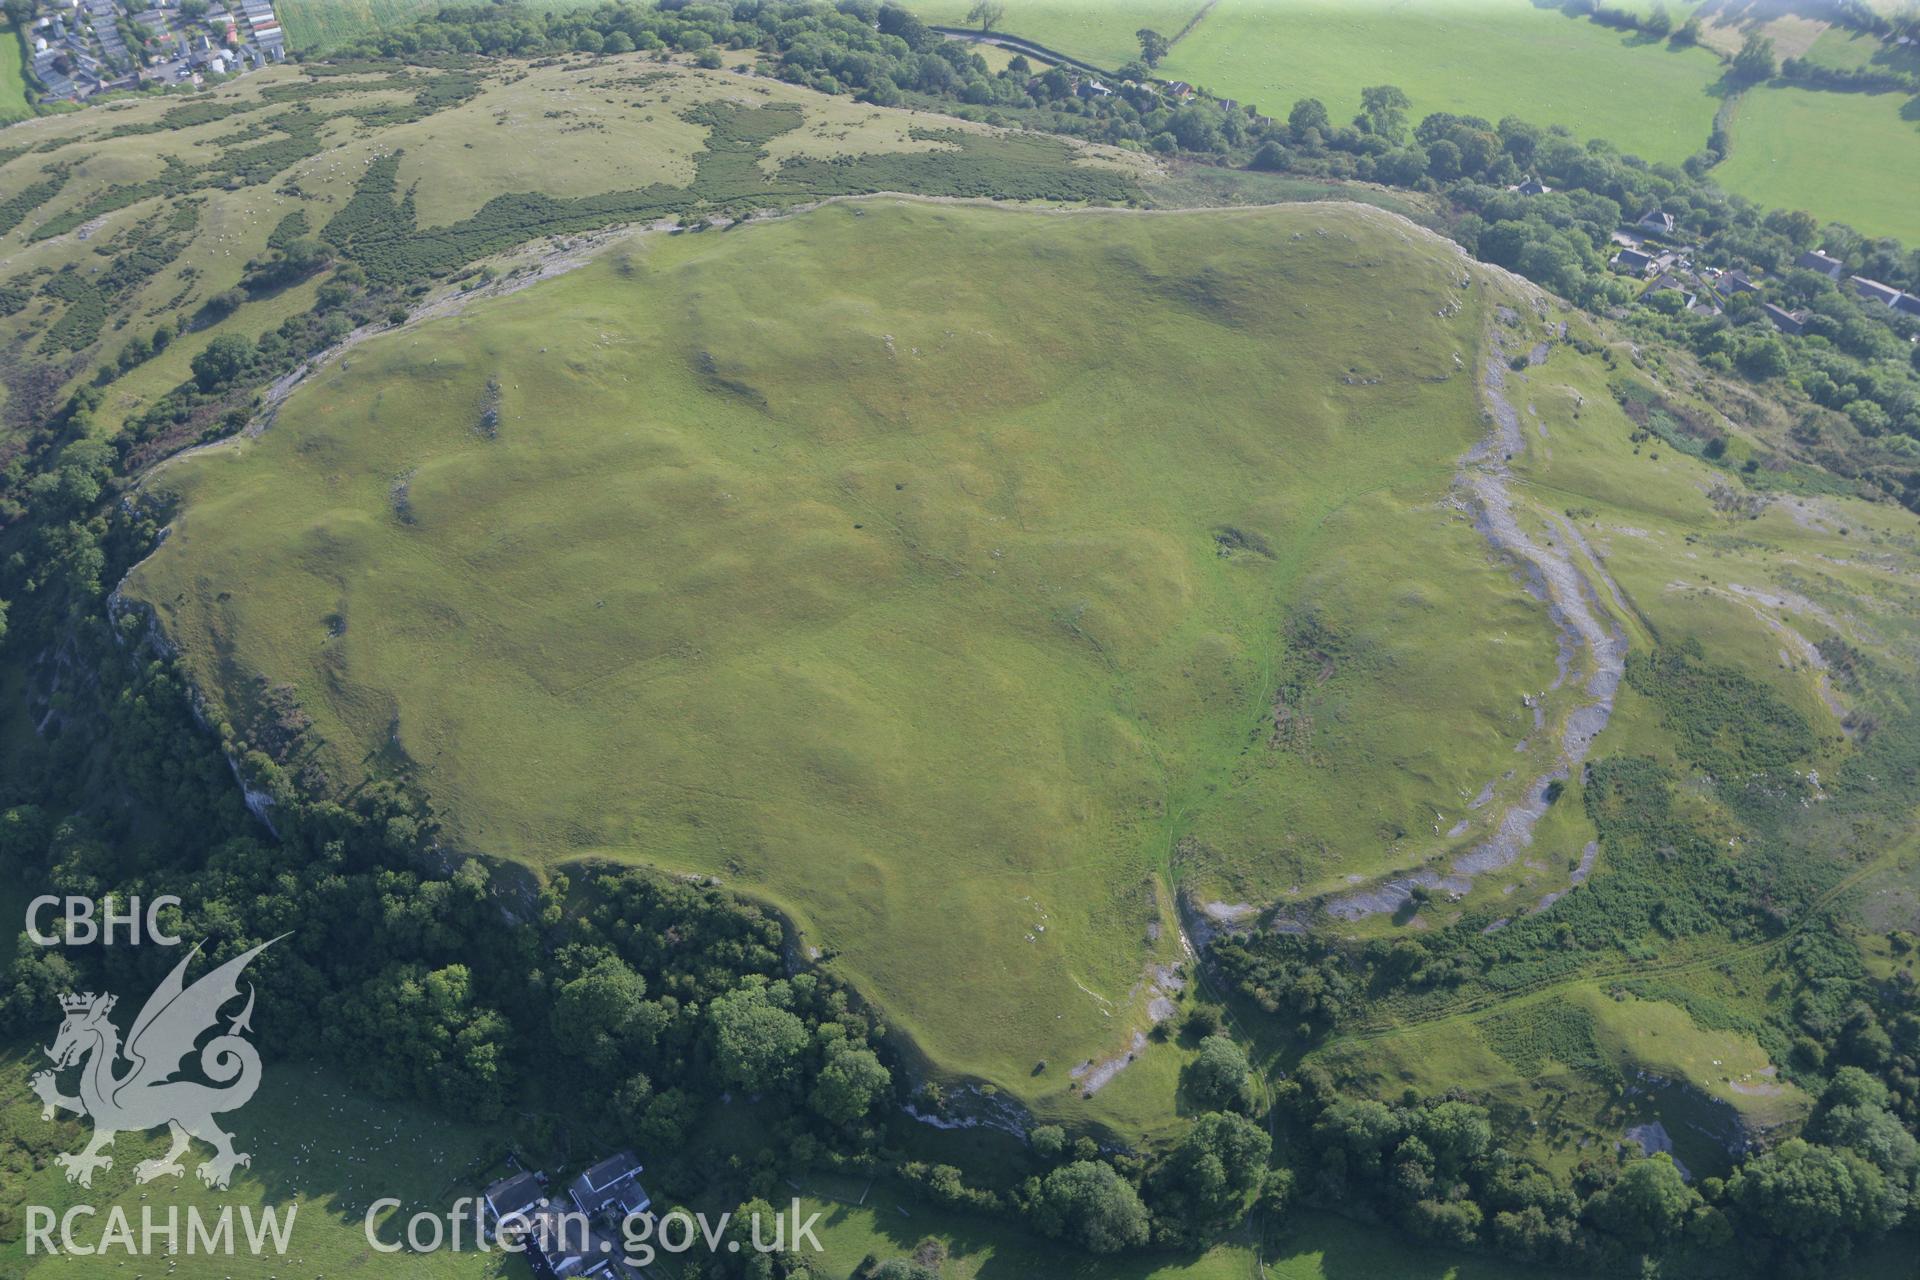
pixel 450 980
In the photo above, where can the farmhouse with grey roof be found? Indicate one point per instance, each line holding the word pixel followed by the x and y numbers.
pixel 1786 321
pixel 1633 260
pixel 1815 260
pixel 1874 291
pixel 612 1186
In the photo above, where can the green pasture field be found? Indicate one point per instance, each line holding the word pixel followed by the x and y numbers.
pixel 1309 1246
pixel 1843 157
pixel 998 58
pixel 933 604
pixel 316 1144
pixel 1492 58
pixel 1847 50
pixel 1095 31
pixel 13 78
pixel 1489 58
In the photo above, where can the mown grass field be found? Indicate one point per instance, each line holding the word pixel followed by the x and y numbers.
pixel 1481 57
pixel 932 604
pixel 1844 157
pixel 315 1143
pixel 13 79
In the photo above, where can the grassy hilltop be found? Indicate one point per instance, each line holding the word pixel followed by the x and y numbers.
pixel 926 601
pixel 1090 621
pixel 969 606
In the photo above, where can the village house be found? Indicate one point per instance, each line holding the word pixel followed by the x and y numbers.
pixel 562 1247
pixel 84 54
pixel 1874 291
pixel 1691 295
pixel 1815 260
pixel 1633 261
pixel 611 1187
pixel 513 1200
pixel 1179 90
pixel 559 1237
pixel 1793 322
pixel 1532 187
pixel 1731 282
pixel 1654 222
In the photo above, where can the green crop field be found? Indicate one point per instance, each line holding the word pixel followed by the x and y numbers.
pixel 1488 58
pixel 893 553
pixel 13 79
pixel 1845 157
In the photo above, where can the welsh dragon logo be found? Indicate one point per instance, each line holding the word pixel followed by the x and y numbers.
pixel 145 1095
